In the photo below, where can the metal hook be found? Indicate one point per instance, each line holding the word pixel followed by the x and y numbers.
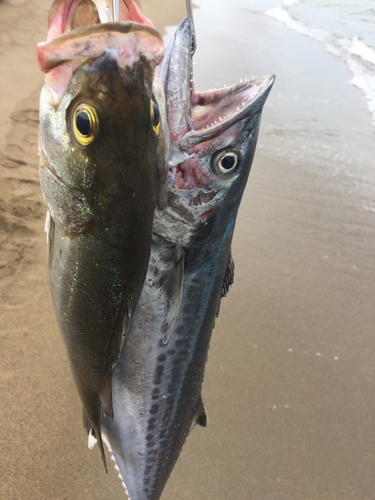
pixel 189 9
pixel 116 10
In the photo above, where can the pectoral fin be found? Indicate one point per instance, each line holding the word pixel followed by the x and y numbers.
pixel 171 282
pixel 106 393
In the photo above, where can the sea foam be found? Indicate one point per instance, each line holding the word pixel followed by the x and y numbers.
pixel 358 56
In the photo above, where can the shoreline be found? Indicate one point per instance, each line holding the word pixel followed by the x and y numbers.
pixel 289 379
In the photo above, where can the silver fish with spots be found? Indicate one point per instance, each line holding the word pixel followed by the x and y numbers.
pixel 157 382
pixel 103 166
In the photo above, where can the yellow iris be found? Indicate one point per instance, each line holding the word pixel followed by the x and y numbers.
pixel 155 117
pixel 85 124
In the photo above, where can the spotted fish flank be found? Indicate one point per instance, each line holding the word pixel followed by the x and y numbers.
pixel 157 384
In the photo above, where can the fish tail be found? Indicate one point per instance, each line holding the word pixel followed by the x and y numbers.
pixel 91 422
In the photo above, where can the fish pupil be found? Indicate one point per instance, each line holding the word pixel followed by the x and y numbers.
pixel 156 115
pixel 83 123
pixel 228 162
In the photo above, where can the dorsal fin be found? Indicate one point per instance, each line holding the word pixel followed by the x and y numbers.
pixel 228 278
pixel 177 83
pixel 227 281
pixel 201 417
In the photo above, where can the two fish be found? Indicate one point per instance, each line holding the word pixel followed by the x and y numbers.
pixel 111 136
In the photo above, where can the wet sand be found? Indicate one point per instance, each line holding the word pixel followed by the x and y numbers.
pixel 289 384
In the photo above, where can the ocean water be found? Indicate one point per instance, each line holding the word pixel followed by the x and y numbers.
pixel 346 28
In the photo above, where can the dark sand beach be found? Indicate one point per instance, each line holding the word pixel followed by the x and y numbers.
pixel 289 384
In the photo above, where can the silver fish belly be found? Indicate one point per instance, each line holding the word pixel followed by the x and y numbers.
pixel 157 382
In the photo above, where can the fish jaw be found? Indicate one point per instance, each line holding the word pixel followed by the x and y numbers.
pixel 203 126
pixel 65 15
pixel 101 196
pixel 175 76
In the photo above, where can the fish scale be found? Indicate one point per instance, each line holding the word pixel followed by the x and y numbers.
pixel 101 186
pixel 157 385
pixel 152 386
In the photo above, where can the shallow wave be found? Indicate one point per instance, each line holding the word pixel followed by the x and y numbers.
pixel 358 56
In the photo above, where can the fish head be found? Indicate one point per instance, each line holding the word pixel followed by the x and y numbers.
pixel 66 15
pixel 102 123
pixel 213 137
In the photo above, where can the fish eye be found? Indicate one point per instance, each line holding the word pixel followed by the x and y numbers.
pixel 225 162
pixel 85 124
pixel 155 117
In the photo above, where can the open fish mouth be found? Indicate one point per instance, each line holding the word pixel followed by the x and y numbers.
pixel 217 110
pixel 197 119
pixel 213 113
